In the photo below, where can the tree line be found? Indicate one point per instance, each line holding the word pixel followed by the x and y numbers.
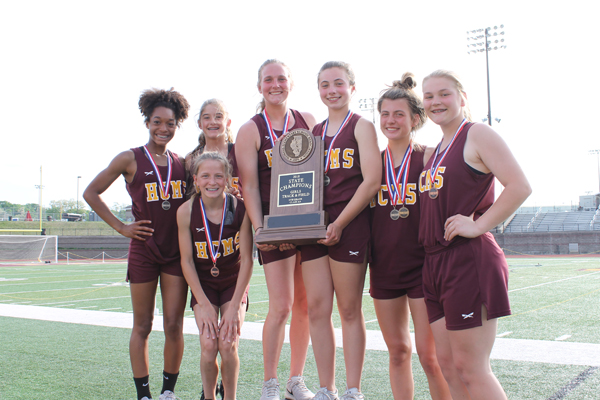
pixel 10 210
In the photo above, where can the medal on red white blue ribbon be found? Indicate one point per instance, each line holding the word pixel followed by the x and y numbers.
pixel 433 171
pixel 326 179
pixel 212 249
pixel 394 182
pixel 164 189
pixel 272 135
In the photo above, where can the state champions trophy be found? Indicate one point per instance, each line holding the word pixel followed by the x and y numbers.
pixel 296 212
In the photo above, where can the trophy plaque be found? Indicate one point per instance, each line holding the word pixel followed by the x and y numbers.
pixel 296 213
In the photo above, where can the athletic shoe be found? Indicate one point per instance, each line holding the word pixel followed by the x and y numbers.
pixel 215 398
pixel 296 389
pixel 324 394
pixel 270 390
pixel 146 398
pixel 352 394
pixel 168 395
pixel 221 390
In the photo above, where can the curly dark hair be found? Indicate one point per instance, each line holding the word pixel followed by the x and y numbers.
pixel 171 99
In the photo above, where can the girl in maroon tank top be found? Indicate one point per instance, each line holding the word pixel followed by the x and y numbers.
pixel 152 254
pixel 282 268
pixel 457 210
pixel 338 264
pixel 397 257
pixel 211 270
pixel 215 135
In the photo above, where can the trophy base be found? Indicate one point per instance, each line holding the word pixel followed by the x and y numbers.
pixel 296 229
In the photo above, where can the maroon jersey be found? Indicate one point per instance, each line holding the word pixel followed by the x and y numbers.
pixel 147 204
pixel 265 152
pixel 461 190
pixel 344 163
pixel 228 257
pixel 235 172
pixel 396 255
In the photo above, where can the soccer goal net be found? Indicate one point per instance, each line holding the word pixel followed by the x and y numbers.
pixel 28 249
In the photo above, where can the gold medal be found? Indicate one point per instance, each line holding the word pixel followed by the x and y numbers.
pixel 214 271
pixel 404 212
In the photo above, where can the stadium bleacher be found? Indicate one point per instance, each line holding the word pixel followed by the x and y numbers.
pixel 554 221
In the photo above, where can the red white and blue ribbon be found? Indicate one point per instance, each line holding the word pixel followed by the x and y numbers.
pixel 436 166
pixel 164 189
pixel 344 123
pixel 393 182
pixel 272 135
pixel 212 249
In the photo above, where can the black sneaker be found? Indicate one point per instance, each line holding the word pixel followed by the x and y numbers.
pixel 221 390
pixel 215 398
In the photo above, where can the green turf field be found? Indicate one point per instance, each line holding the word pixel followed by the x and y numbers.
pixel 553 300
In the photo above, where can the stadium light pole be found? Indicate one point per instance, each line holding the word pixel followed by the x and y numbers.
pixel 597 153
pixel 480 40
pixel 368 105
pixel 40 187
pixel 78 178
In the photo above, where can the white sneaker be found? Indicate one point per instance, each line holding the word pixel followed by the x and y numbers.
pixel 352 394
pixel 270 390
pixel 168 395
pixel 324 394
pixel 296 389
pixel 146 398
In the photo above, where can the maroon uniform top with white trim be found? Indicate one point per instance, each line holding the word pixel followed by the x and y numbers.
pixel 228 259
pixel 344 163
pixel 397 256
pixel 265 152
pixel 461 190
pixel 147 199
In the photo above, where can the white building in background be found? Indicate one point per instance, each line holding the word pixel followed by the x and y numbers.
pixel 589 202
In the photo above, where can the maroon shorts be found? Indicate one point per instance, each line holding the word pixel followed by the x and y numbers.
pixel 415 292
pixel 459 280
pixel 267 257
pixel 353 245
pixel 220 296
pixel 145 266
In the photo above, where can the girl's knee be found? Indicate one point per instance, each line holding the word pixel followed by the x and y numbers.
pixel 400 352
pixel 319 308
pixel 228 350
pixel 173 327
pixel 430 365
pixel 280 308
pixel 209 348
pixel 350 313
pixel 142 327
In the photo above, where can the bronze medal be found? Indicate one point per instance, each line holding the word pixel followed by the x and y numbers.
pixel 433 193
pixel 326 180
pixel 166 205
pixel 394 214
pixel 403 212
pixel 214 271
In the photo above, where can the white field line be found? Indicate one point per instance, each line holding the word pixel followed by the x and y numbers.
pixel 49 282
pixel 83 300
pixel 563 353
pixel 48 290
pixel 549 283
pixel 563 337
